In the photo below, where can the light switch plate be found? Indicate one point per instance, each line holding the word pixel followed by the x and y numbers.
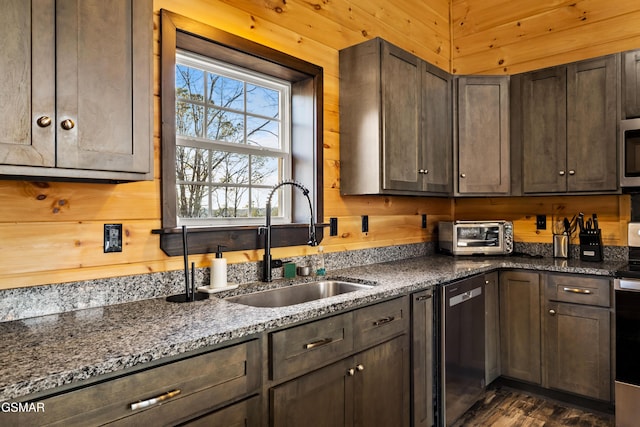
pixel 112 238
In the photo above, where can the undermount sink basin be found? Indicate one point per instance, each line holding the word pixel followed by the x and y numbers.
pixel 297 294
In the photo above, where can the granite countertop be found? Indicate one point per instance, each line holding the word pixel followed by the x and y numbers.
pixel 45 352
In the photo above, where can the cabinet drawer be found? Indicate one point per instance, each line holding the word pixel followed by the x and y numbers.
pixel 189 387
pixel 306 347
pixel 579 289
pixel 380 322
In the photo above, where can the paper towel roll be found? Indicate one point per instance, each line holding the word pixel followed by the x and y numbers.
pixel 218 273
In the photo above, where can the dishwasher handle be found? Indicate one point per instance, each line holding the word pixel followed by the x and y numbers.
pixel 465 296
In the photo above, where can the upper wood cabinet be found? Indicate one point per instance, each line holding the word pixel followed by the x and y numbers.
pixel 77 85
pixel 631 84
pixel 568 127
pixel 482 136
pixel 395 122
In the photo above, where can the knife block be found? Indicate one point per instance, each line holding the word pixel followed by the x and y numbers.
pixel 591 245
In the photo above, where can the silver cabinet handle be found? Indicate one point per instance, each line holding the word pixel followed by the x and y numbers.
pixel 383 321
pixel 572 172
pixel 552 312
pixel 423 297
pixel 351 372
pixel 424 171
pixel 67 124
pixel 146 403
pixel 43 121
pixel 561 173
pixel 577 291
pixel 463 175
pixel 318 343
pixel 359 367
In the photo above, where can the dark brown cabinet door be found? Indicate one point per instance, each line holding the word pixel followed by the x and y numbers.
pixel 369 389
pixel 422 359
pixel 569 122
pixel 544 110
pixel 483 152
pixel 631 84
pixel 520 325
pixel 323 398
pixel 401 118
pixel 577 349
pixel 381 391
pixel 592 124
pixel 27 64
pixel 436 165
pixel 79 81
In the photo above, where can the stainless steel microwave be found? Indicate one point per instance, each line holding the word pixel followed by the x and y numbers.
pixel 475 237
pixel 630 153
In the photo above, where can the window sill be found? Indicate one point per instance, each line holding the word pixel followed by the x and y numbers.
pixel 204 240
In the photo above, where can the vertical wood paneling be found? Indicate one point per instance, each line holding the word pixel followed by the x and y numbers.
pixel 508 37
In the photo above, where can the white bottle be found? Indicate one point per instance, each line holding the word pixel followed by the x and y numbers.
pixel 218 271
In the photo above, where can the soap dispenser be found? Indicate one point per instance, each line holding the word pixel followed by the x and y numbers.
pixel 218 270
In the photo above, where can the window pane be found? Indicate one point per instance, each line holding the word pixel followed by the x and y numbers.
pixel 192 201
pixel 259 201
pixel 189 119
pixel 230 168
pixel 230 202
pixel 225 126
pixel 226 92
pixel 192 164
pixel 263 101
pixel 265 170
pixel 189 83
pixel 263 133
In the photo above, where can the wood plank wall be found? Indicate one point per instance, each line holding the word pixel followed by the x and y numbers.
pixel 52 232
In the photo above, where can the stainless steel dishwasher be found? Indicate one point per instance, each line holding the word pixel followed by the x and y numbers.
pixel 462 346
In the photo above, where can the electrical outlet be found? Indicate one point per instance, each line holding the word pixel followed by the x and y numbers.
pixel 365 223
pixel 541 222
pixel 333 226
pixel 424 220
pixel 112 238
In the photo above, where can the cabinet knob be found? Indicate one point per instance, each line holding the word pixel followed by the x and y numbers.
pixel 552 312
pixel 67 124
pixel 351 372
pixel 43 121
pixel 561 173
pixel 572 172
pixel 423 171
pixel 360 367
pixel 463 175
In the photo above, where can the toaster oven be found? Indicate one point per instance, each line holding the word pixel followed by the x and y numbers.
pixel 475 237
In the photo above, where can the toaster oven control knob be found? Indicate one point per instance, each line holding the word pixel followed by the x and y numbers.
pixel 561 173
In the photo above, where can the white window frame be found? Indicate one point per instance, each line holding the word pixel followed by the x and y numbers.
pixel 210 65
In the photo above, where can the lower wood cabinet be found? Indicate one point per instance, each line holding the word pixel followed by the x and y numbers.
pixel 555 331
pixel 368 389
pixel 577 335
pixel 422 359
pixel 491 328
pixel 349 369
pixel 520 325
pixel 177 392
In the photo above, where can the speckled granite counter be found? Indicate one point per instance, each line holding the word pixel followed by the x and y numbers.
pixel 50 351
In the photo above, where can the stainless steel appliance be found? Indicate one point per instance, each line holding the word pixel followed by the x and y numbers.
pixel 630 153
pixel 462 347
pixel 627 309
pixel 475 237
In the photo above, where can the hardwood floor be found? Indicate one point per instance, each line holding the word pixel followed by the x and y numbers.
pixel 506 407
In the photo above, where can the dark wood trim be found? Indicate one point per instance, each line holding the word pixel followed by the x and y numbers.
pixel 179 32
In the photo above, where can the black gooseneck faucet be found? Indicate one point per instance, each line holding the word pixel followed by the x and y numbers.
pixel 266 259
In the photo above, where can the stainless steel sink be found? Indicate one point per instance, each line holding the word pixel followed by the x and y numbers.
pixel 297 294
